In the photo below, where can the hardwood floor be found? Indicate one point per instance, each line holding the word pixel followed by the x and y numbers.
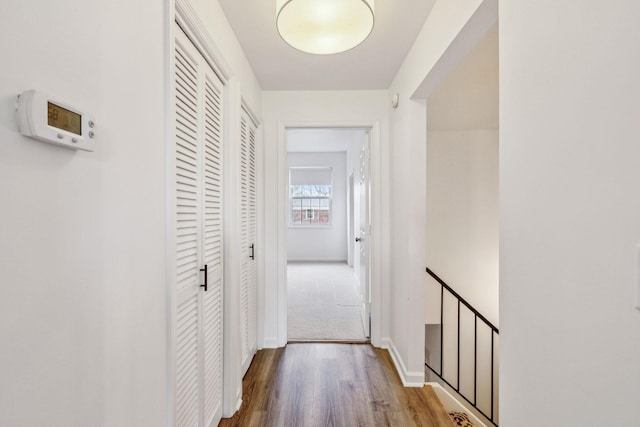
pixel 326 384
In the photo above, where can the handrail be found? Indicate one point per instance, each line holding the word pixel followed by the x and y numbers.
pixel 494 332
pixel 462 300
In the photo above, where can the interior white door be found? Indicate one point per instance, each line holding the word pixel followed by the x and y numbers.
pixel 364 238
pixel 248 271
pixel 351 227
pixel 197 228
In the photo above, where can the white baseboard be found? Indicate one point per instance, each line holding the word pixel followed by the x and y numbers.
pixel 234 409
pixel 238 404
pixel 271 342
pixel 409 379
pixel 385 342
pixel 316 260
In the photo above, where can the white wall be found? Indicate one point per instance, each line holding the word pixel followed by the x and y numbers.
pixel 462 217
pixel 322 243
pixel 317 109
pixel 467 98
pixel 569 213
pixel 82 285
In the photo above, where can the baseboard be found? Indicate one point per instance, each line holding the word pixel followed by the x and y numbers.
pixel 316 260
pixel 271 342
pixel 235 409
pixel 385 343
pixel 409 379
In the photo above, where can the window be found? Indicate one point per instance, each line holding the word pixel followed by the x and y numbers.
pixel 310 196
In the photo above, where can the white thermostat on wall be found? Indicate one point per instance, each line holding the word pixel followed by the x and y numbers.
pixel 50 120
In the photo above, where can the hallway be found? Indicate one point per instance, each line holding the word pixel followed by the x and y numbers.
pixel 323 302
pixel 311 384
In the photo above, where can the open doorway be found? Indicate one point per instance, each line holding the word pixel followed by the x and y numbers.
pixel 328 292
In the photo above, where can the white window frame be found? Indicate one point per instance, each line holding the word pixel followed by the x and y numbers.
pixel 305 211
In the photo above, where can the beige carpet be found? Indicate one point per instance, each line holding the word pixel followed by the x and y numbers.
pixel 323 302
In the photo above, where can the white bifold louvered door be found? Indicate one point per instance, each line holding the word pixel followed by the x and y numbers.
pixel 248 271
pixel 198 235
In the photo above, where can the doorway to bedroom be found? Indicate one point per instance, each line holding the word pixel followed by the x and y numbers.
pixel 328 293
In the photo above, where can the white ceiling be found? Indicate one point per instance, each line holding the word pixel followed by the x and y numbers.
pixel 372 65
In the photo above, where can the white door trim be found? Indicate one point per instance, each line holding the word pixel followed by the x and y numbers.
pixel 376 259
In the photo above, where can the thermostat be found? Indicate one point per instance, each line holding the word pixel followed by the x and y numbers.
pixel 50 120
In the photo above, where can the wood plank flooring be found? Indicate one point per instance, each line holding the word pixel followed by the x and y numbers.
pixel 330 384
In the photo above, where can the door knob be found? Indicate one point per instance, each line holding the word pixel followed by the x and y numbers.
pixel 358 239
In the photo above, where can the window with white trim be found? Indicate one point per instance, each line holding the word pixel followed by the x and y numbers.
pixel 310 196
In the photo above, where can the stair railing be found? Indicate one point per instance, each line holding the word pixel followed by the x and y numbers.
pixel 494 333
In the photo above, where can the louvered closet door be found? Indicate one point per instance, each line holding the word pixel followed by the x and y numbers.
pixel 198 233
pixel 248 272
pixel 212 222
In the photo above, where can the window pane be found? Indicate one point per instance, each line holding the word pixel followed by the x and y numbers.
pixel 310 196
pixel 296 191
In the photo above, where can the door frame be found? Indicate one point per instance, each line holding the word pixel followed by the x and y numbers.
pixel 375 258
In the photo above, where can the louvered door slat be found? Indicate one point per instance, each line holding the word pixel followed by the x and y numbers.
pixel 212 248
pixel 248 276
pixel 188 393
pixel 252 226
pixel 213 351
pixel 187 382
pixel 244 242
pixel 186 166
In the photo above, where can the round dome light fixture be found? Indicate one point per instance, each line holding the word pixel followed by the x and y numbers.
pixel 323 27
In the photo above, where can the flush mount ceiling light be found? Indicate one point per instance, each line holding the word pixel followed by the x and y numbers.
pixel 323 27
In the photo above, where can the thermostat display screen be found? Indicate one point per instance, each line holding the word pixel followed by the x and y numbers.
pixel 64 119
